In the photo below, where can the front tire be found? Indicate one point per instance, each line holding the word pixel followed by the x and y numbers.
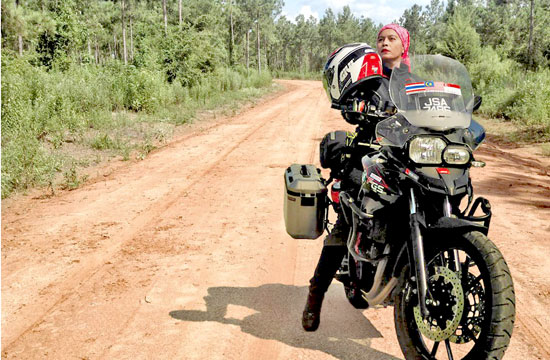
pixel 484 328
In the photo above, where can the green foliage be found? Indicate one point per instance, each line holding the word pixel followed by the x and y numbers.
pixel 65 80
pixel 71 178
pixel 42 110
pixel 26 163
pixel 530 103
pixel 460 40
pixel 189 55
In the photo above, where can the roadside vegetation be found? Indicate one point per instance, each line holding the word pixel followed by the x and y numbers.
pixel 83 80
pixel 54 123
pixel 74 95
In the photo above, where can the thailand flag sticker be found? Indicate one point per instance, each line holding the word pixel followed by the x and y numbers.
pixel 415 87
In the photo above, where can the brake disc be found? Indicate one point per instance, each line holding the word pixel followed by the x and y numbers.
pixel 447 306
pixel 474 308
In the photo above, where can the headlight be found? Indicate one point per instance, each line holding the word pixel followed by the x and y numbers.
pixel 426 150
pixel 456 155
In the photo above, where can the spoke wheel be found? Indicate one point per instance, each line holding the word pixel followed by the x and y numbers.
pixel 471 303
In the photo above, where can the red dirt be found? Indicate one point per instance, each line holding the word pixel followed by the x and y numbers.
pixel 185 255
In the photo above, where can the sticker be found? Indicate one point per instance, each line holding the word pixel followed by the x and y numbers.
pixel 415 87
pixel 375 177
pixel 377 188
pixel 432 86
pixel 436 104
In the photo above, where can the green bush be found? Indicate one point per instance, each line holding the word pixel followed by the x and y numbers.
pixel 531 103
pixel 41 109
pixel 509 91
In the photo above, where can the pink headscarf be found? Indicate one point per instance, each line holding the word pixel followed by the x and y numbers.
pixel 405 40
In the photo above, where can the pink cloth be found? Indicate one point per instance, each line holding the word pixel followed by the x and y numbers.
pixel 405 40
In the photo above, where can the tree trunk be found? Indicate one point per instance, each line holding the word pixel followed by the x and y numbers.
pixel 115 47
pixel 131 40
pixel 247 46
pixel 179 12
pixel 19 36
pixel 310 59
pixel 301 60
pixel 284 57
pixel 96 52
pixel 164 13
pixel 20 42
pixel 125 54
pixel 232 40
pixel 266 62
pixel 277 54
pixel 258 45
pixel 530 50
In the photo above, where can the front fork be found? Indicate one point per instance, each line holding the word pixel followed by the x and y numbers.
pixel 416 255
pixel 416 252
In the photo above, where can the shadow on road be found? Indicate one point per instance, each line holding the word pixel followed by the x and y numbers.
pixel 344 332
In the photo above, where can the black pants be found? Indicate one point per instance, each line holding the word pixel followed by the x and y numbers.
pixel 329 263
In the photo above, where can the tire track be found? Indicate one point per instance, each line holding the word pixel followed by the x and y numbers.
pixel 90 266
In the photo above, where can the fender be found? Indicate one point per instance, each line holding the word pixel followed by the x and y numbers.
pixel 456 226
pixel 442 226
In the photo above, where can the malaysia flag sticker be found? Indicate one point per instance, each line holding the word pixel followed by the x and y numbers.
pixel 432 86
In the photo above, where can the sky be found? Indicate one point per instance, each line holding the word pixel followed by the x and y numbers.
pixel 382 11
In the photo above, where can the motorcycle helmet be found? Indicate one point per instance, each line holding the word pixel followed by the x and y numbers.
pixel 347 67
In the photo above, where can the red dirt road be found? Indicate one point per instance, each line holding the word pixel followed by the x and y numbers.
pixel 184 255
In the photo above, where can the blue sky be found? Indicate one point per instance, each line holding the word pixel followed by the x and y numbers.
pixel 382 11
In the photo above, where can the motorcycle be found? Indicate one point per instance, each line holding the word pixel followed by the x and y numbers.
pixel 418 239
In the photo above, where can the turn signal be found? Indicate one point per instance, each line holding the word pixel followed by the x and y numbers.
pixel 478 164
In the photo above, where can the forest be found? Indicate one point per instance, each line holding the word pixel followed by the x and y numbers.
pixel 104 75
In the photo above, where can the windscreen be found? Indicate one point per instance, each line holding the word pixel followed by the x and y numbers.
pixel 436 94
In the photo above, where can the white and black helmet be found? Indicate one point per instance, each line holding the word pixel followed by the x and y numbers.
pixel 347 67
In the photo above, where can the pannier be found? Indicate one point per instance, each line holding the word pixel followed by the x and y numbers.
pixel 305 202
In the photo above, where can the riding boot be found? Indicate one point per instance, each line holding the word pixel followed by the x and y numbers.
pixel 312 312
pixel 329 263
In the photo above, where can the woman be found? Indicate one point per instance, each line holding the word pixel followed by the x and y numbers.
pixel 393 47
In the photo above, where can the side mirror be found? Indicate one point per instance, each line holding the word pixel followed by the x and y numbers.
pixel 477 102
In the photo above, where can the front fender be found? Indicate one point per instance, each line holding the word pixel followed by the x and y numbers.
pixel 443 226
pixel 456 226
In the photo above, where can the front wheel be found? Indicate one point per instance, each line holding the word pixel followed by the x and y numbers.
pixel 471 307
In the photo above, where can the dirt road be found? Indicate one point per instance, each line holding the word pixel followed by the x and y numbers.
pixel 184 255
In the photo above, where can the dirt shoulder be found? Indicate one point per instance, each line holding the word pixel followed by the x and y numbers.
pixel 185 255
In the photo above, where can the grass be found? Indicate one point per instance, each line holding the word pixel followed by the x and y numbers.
pixel 515 134
pixel 54 124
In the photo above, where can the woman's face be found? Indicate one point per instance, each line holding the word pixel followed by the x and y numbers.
pixel 389 46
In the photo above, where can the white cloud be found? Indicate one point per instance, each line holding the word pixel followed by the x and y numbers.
pixel 307 12
pixel 338 4
pixel 378 13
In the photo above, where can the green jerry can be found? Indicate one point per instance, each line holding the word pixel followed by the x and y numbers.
pixel 305 201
